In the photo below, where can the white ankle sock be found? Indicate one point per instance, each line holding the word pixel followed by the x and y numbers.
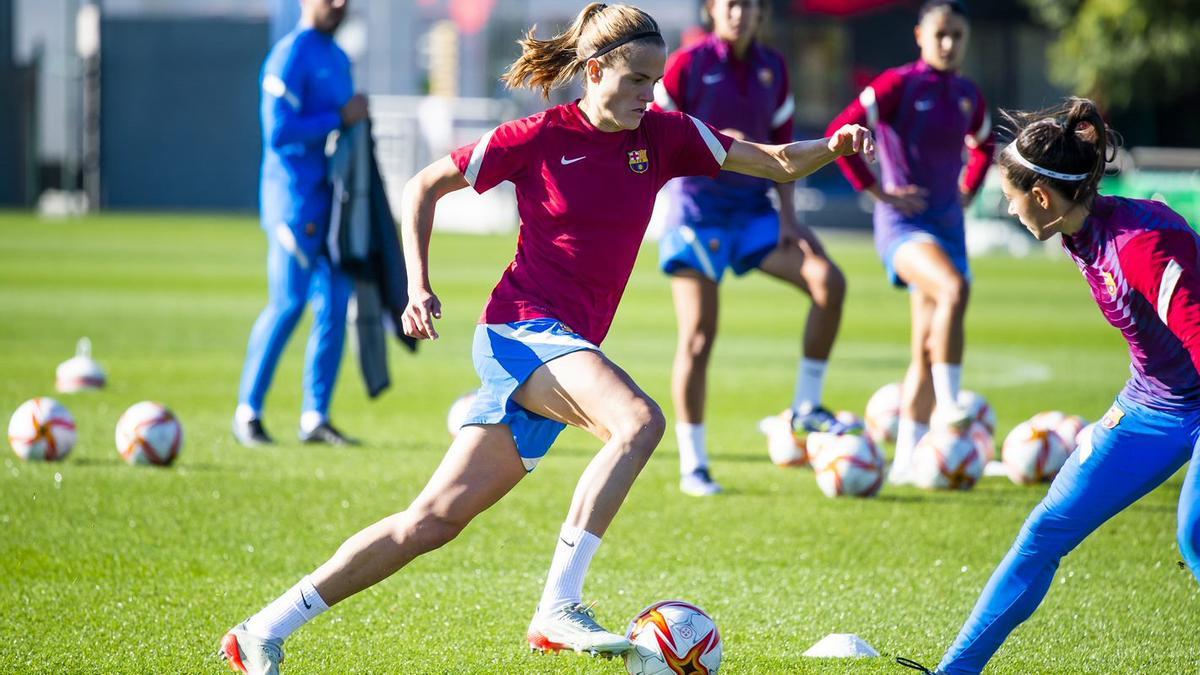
pixel 244 413
pixel 693 447
pixel 572 556
pixel 947 380
pixel 311 419
pixel 291 610
pixel 908 434
pixel 810 384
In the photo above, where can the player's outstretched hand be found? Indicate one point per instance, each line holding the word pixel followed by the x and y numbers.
pixel 417 320
pixel 852 139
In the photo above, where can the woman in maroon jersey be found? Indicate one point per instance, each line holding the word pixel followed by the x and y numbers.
pixel 586 175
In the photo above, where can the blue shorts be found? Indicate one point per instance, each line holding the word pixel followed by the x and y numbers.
pixel 711 250
pixel 505 355
pixel 955 250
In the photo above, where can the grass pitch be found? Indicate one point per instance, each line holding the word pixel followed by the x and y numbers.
pixel 110 568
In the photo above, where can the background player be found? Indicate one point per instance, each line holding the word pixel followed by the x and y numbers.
pixel 536 348
pixel 1142 261
pixel 922 113
pixel 739 86
pixel 306 93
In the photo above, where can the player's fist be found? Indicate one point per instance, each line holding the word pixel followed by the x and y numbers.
pixel 355 110
pixel 852 139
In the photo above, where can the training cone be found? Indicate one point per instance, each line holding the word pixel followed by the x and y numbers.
pixel 840 646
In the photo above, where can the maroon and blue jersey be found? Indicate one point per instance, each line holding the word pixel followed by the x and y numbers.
pixel 923 119
pixel 750 94
pixel 1142 261
pixel 584 197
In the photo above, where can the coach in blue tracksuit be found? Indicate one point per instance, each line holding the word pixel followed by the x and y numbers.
pixel 307 93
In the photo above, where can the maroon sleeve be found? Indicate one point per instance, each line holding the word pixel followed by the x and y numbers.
pixel 499 155
pixel 783 123
pixel 877 102
pixel 1163 266
pixel 692 147
pixel 981 146
pixel 670 92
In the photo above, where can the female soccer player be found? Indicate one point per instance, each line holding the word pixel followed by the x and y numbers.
pixel 586 175
pixel 1142 261
pixel 741 87
pixel 922 113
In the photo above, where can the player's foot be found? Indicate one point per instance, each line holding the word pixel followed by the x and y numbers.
pixel 699 484
pixel 327 434
pixel 251 433
pixel 909 663
pixel 899 474
pixel 247 653
pixel 817 418
pixel 574 627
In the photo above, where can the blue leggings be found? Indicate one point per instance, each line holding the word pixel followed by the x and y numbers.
pixel 292 283
pixel 1127 461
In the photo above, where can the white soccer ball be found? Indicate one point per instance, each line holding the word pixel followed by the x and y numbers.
pixel 883 413
pixel 42 429
pixel 1032 454
pixel 785 447
pixel 80 372
pixel 978 408
pixel 944 460
pixel 149 433
pixel 983 439
pixel 458 412
pixel 846 464
pixel 1084 438
pixel 672 637
pixel 1067 427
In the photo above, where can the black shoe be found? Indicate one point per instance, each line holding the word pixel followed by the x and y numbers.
pixel 325 433
pixel 251 433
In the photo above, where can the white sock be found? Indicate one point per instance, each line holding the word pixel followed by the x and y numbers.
pixel 908 434
pixel 693 447
pixel 810 384
pixel 291 610
pixel 572 555
pixel 310 419
pixel 244 413
pixel 947 380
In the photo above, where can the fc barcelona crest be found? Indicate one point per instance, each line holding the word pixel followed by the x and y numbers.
pixel 1110 284
pixel 639 161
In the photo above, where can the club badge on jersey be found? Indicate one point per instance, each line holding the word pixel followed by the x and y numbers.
pixel 1110 284
pixel 1112 418
pixel 639 161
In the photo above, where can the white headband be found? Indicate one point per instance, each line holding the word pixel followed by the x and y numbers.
pixel 1016 154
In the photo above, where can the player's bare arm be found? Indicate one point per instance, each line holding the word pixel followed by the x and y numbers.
pixel 783 163
pixel 418 203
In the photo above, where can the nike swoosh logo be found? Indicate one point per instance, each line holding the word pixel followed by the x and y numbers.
pixel 305 601
pixel 712 78
pixel 566 161
pixel 923 105
pixel 572 545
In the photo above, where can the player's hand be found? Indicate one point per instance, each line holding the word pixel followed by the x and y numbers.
pixel 792 233
pixel 852 139
pixel 355 110
pixel 907 199
pixel 417 319
pixel 734 133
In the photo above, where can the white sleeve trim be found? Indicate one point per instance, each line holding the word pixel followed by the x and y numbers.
pixel 714 146
pixel 662 98
pixel 870 104
pixel 275 87
pixel 985 130
pixel 473 166
pixel 784 113
pixel 1166 288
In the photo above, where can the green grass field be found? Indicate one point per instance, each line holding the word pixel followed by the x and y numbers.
pixel 109 568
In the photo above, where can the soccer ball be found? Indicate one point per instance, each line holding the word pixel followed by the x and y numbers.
pixel 1032 454
pixel 1067 427
pixel 984 442
pixel 846 464
pixel 1083 440
pixel 883 413
pixel 784 446
pixel 42 429
pixel 944 460
pixel 80 372
pixel 458 413
pixel 149 433
pixel 671 637
pixel 854 423
pixel 978 408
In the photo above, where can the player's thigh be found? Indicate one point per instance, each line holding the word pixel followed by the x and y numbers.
pixel 587 390
pixel 924 265
pixel 481 466
pixel 697 303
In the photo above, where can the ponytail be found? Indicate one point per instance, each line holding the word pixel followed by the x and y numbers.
pixel 1066 147
pixel 596 31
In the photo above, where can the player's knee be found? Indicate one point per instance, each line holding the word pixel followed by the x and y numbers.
pixel 642 426
pixel 954 292
pixel 829 286
pixel 287 310
pixel 428 530
pixel 1189 541
pixel 697 344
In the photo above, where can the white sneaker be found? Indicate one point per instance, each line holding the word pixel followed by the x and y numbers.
pixel 574 627
pixel 247 653
pixel 699 484
pixel 899 475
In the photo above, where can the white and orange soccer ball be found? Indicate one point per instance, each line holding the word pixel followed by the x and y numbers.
pixel 985 442
pixel 846 464
pixel 785 447
pixel 149 433
pixel 42 429
pixel 672 637
pixel 944 460
pixel 1032 454
pixel 1083 439
pixel 978 408
pixel 458 412
pixel 883 413
pixel 80 372
pixel 1067 427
